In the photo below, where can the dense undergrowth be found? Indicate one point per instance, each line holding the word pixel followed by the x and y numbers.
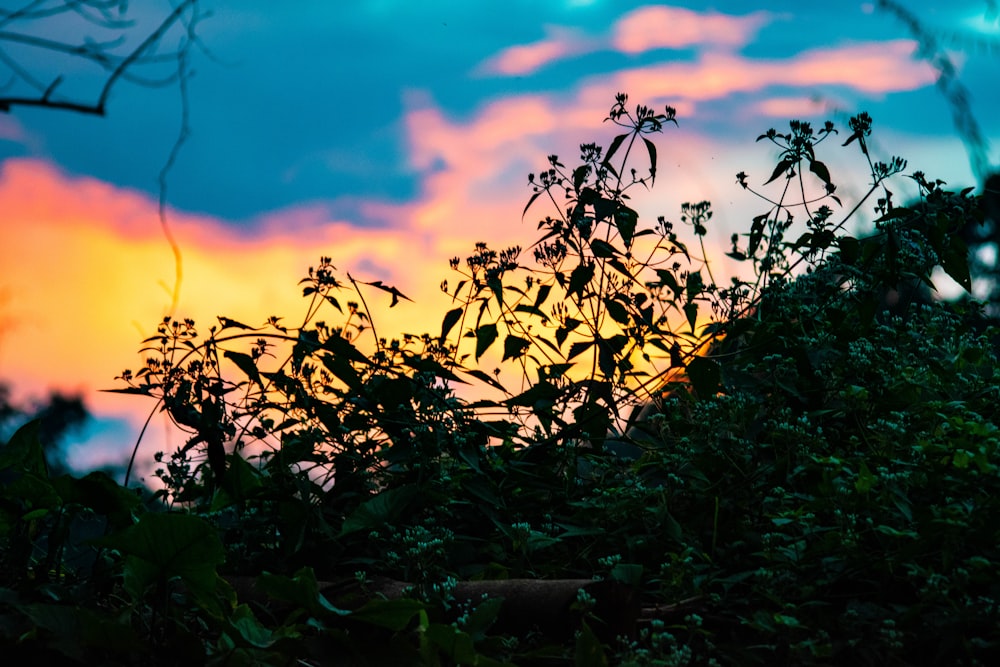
pixel 818 483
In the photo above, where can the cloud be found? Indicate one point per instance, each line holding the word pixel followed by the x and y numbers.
pixel 644 29
pixel 523 59
pixel 663 27
pixel 86 276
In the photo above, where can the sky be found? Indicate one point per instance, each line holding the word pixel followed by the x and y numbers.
pixel 392 136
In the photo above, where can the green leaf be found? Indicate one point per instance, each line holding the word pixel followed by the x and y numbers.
pixel 163 546
pixel 379 510
pixel 394 615
pixel 588 651
pixel 301 590
pixel 627 573
pixel 23 452
pixel 485 336
pixel 245 363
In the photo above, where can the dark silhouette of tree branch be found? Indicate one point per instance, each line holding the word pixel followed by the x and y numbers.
pixel 100 13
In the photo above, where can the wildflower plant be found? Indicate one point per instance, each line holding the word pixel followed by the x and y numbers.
pixel 816 481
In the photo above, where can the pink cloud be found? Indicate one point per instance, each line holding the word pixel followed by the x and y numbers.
pixel 659 27
pixel 873 68
pixel 523 59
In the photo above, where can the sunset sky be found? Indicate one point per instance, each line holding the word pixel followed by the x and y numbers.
pixel 393 135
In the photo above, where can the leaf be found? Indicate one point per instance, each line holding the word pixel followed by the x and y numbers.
pixel 821 171
pixel 580 278
pixel 233 324
pixel 301 589
pixel 617 311
pixel 613 148
pixel 955 262
pixel 480 375
pixel 705 375
pixel 691 310
pixel 580 176
pixel 781 168
pixel 531 201
pixel 756 234
pixel 23 452
pixel 579 348
pixel 378 284
pixel 245 363
pixel 393 615
pixel 626 220
pixel 588 651
pixel 485 336
pixel 342 370
pixel 450 319
pixel 651 149
pixel 604 208
pixel 603 248
pixel 523 308
pixel 162 546
pixel 543 294
pixel 379 510
pixel 514 347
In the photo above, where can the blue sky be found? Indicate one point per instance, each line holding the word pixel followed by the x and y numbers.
pixel 393 135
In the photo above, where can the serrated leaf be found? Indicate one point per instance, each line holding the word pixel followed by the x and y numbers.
pixel 514 347
pixel 617 311
pixel 543 294
pixel 485 336
pixel 579 279
pixel 579 348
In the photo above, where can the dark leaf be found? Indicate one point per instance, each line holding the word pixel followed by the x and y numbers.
pixel 485 335
pixel 450 319
pixel 245 363
pixel 514 347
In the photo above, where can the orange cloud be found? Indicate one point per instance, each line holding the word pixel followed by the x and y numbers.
pixel 662 27
pixel 87 271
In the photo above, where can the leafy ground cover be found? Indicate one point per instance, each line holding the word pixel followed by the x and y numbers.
pixel 817 482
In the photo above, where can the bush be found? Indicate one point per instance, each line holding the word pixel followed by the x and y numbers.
pixel 816 484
